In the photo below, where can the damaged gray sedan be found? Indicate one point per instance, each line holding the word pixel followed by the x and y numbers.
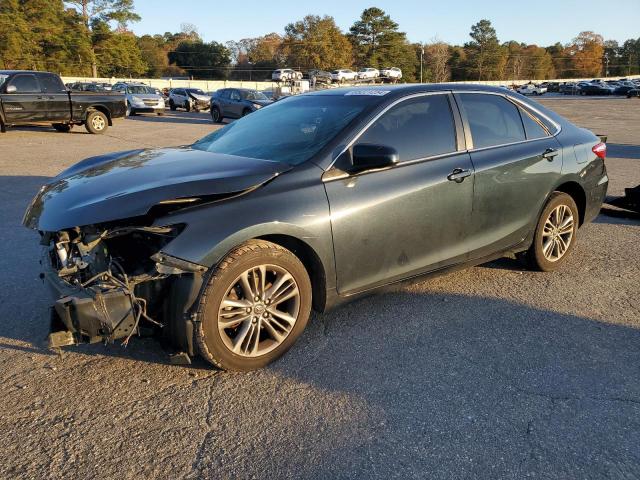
pixel 224 246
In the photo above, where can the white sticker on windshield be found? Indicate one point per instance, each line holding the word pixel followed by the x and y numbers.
pixel 375 93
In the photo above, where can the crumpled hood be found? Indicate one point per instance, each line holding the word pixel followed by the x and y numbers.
pixel 197 96
pixel 127 184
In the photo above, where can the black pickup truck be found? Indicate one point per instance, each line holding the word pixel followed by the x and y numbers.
pixel 40 97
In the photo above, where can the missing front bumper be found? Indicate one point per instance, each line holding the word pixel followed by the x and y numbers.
pixel 86 315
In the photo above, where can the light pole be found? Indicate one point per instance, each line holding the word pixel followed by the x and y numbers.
pixel 606 59
pixel 421 55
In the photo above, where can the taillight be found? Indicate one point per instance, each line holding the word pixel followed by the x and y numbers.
pixel 600 150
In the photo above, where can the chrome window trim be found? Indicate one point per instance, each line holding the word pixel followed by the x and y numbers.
pixel 509 98
pixel 520 104
pixel 385 110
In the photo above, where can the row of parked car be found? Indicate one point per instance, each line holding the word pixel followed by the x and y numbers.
pixel 342 75
pixel 630 88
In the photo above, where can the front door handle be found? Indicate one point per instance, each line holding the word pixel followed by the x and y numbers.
pixel 458 175
pixel 550 154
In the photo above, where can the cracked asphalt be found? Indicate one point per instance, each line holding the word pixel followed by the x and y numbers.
pixel 492 372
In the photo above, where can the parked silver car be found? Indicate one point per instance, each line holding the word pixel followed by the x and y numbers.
pixel 140 98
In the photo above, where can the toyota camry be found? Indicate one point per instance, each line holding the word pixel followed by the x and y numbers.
pixel 225 246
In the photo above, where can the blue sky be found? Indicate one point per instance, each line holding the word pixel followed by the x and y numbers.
pixel 543 24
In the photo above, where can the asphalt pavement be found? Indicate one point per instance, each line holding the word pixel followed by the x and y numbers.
pixel 492 372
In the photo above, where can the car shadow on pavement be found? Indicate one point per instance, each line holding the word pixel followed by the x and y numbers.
pixel 174 117
pixel 468 386
pixel 623 150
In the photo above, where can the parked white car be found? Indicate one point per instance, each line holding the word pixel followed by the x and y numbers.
pixel 343 75
pixel 531 89
pixel 285 74
pixel 368 73
pixel 392 73
pixel 189 99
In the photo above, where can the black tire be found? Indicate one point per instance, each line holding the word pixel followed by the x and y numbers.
pixel 96 122
pixel 159 113
pixel 187 106
pixel 251 254
pixel 246 112
pixel 62 127
pixel 172 106
pixel 216 116
pixel 535 255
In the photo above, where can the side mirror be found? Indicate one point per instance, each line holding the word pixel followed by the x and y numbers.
pixel 367 157
pixel 11 89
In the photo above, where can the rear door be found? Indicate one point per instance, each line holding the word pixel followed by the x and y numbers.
pixel 58 105
pixel 26 104
pixel 517 164
pixel 400 221
pixel 235 103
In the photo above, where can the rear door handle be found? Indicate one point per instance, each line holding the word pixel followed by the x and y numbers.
pixel 458 175
pixel 550 154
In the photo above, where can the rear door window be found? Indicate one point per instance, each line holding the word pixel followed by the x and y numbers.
pixel 493 119
pixel 52 84
pixel 417 128
pixel 25 83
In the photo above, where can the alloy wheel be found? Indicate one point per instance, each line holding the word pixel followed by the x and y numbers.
pixel 259 310
pixel 557 233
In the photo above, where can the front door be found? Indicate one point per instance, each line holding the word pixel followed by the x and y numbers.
pixel 235 104
pixel 26 104
pixel 401 221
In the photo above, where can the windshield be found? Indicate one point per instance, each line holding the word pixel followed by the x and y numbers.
pixel 140 89
pixel 252 95
pixel 3 78
pixel 305 124
pixel 197 91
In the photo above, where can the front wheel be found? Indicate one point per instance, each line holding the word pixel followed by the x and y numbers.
pixel 96 122
pixel 556 233
pixel 216 116
pixel 187 106
pixel 255 306
pixel 172 106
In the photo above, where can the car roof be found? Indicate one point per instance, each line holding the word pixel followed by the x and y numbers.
pixel 407 89
pixel 9 72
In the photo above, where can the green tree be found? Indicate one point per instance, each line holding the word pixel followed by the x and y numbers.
pixel 202 60
pixel 484 52
pixel 14 36
pixel 117 53
pixel 316 42
pixel 103 11
pixel 630 56
pixel 377 42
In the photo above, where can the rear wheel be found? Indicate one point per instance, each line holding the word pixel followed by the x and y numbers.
pixel 556 233
pixel 172 106
pixel 96 122
pixel 255 306
pixel 62 127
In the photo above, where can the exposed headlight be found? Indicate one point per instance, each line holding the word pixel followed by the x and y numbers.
pixel 257 106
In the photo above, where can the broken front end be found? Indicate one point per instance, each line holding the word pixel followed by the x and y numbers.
pixel 111 283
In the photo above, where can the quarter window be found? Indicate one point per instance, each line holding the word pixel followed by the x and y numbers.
pixel 531 127
pixel 493 120
pixel 26 84
pixel 417 128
